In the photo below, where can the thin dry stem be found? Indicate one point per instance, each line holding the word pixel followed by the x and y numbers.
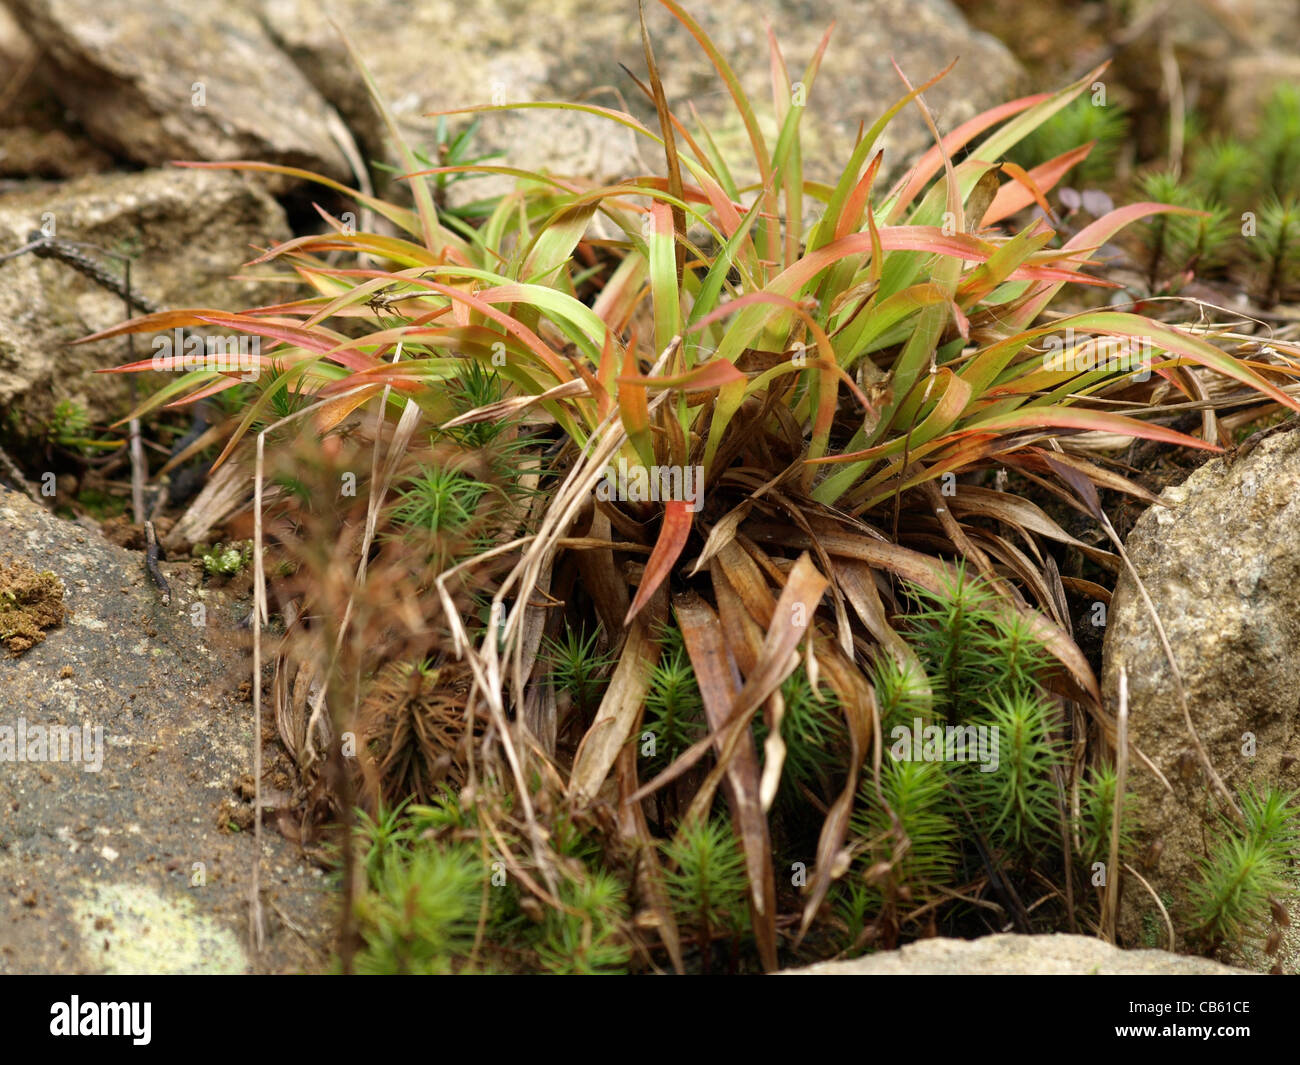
pixel 257 924
pixel 1110 906
pixel 1169 924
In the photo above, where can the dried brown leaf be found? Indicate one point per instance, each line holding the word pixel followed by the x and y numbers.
pixel 620 708
pixel 708 654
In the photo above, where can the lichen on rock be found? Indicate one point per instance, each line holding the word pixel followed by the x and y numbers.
pixel 1219 562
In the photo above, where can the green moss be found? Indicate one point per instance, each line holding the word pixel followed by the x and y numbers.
pixel 225 560
pixel 1247 872
pixel 100 505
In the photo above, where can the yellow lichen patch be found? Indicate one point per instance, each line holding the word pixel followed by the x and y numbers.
pixel 30 602
pixel 131 928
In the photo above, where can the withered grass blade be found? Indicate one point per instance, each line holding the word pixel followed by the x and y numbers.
pixel 708 654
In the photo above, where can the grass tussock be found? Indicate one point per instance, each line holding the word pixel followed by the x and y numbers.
pixel 639 730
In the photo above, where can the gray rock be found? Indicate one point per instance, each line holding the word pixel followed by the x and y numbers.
pixel 48 153
pixel 124 869
pixel 35 138
pixel 1220 563
pixel 1211 29
pixel 199 80
pixel 189 231
pixel 1231 56
pixel 1017 955
pixel 570 50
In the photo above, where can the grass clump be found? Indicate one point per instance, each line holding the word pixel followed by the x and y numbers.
pixel 836 389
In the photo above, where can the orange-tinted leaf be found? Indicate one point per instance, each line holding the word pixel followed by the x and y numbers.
pixel 1029 187
pixel 673 534
pixel 929 164
pixel 1036 417
pixel 634 410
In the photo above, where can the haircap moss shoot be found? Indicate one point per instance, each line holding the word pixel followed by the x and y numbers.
pixel 946 743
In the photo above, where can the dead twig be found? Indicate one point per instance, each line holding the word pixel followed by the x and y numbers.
pixel 1111 903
